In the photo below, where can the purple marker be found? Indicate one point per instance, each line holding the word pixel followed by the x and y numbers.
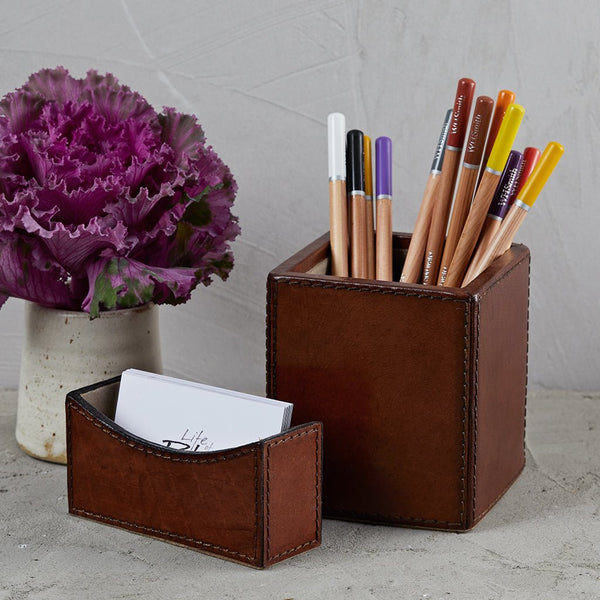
pixel 383 189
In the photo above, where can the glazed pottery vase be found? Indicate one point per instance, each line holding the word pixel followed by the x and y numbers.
pixel 65 350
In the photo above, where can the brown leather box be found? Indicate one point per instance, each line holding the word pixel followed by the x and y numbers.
pixel 257 504
pixel 421 389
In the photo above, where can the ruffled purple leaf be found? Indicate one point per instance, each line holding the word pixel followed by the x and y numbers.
pixel 182 133
pixel 28 271
pixel 103 186
pixel 54 85
pixel 123 282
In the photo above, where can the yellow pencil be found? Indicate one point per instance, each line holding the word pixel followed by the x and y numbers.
pixel 518 211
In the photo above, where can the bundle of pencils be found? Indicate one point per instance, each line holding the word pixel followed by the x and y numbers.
pixel 476 196
pixel 356 250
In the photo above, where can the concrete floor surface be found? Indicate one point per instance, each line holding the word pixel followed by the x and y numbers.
pixel 541 541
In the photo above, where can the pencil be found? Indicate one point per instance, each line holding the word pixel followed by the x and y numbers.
pixel 369 209
pixel 518 211
pixel 413 264
pixel 445 190
pixel 338 219
pixel 504 196
pixel 483 197
pixel 504 99
pixel 468 179
pixel 531 156
pixel 383 184
pixel 356 196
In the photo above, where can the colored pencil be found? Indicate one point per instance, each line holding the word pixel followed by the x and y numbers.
pixel 485 193
pixel 445 190
pixel 531 156
pixel 369 209
pixel 518 211
pixel 383 183
pixel 480 122
pixel 413 264
pixel 356 196
pixel 503 197
pixel 338 219
pixel 504 99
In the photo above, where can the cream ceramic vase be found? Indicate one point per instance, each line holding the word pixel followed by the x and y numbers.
pixel 65 350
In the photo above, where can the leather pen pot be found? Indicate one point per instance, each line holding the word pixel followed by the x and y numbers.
pixel 421 389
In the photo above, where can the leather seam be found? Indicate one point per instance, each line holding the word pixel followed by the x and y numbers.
pixel 526 361
pixel 465 423
pixel 497 498
pixel 175 536
pixel 415 520
pixel 476 413
pixel 316 538
pixel 509 272
pixel 393 292
pixel 147 450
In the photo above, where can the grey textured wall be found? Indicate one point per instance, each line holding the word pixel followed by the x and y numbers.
pixel 262 76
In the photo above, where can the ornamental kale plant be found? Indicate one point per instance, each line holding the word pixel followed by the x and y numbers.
pixel 103 202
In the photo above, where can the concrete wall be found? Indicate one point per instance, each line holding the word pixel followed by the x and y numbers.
pixel 262 77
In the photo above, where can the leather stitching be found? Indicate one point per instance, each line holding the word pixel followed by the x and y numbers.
pixel 369 290
pixel 168 534
pixel 147 450
pixel 509 272
pixel 475 414
pixel 397 518
pixel 526 362
pixel 317 521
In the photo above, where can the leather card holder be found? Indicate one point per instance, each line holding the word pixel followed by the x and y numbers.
pixel 257 504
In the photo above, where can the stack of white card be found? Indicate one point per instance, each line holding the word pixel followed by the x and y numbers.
pixel 190 416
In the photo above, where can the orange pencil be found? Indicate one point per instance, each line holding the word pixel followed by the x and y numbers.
pixel 413 264
pixel 505 97
pixel 468 179
pixel 445 191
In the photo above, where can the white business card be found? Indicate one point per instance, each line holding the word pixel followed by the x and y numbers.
pixel 185 415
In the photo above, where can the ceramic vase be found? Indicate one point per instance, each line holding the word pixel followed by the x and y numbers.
pixel 65 350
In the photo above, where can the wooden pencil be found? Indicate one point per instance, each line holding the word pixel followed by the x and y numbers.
pixel 483 197
pixel 468 180
pixel 383 183
pixel 356 195
pixel 504 196
pixel 369 209
pixel 445 190
pixel 338 218
pixel 413 263
pixel 504 99
pixel 518 211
